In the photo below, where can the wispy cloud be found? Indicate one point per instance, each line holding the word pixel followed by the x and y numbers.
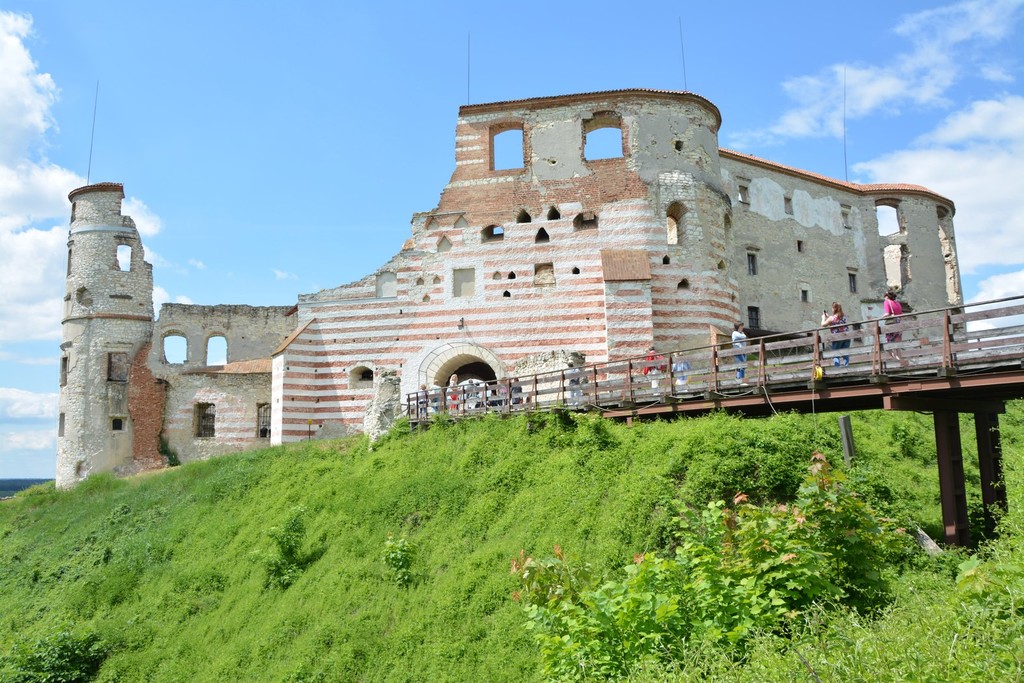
pixel 161 296
pixel 284 275
pixel 29 440
pixel 940 43
pixel 18 403
pixel 197 264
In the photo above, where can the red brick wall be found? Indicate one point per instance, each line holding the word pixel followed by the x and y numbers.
pixel 146 399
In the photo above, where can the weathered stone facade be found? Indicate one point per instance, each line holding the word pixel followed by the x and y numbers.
pixel 558 257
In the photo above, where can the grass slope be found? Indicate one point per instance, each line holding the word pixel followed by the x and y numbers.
pixel 170 569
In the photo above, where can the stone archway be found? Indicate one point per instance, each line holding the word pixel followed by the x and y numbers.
pixel 471 360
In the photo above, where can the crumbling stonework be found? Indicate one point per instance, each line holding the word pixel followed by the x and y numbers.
pixel 665 240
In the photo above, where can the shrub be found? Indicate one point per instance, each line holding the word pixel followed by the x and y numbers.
pixel 397 556
pixel 286 564
pixel 63 657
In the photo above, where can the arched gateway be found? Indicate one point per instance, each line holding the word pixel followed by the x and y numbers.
pixel 469 361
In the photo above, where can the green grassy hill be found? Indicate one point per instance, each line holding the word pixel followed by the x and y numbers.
pixel 267 565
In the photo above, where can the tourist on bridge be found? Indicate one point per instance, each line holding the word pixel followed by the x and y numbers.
pixel 893 309
pixel 739 340
pixel 837 321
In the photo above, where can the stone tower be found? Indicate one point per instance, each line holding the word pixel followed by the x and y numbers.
pixel 108 319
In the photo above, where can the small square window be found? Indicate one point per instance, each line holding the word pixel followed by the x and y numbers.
pixel 751 264
pixel 805 295
pixel 544 275
pixel 853 282
pixel 117 424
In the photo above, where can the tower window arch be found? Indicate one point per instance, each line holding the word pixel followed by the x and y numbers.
pixel 542 236
pixel 492 233
pixel 553 214
pixel 175 349
pixel 124 257
pixel 674 222
pixel 360 376
pixel 523 216
pixel 507 149
pixel 585 221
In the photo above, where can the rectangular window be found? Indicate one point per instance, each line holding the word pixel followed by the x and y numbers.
pixel 800 246
pixel 117 424
pixel 263 420
pixel 744 191
pixel 846 216
pixel 60 425
pixel 544 275
pixel 751 264
pixel 788 205
pixel 753 317
pixel 205 421
pixel 64 370
pixel 117 367
pixel 463 282
pixel 853 282
pixel 805 295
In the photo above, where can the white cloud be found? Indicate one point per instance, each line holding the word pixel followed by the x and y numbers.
pixel 18 403
pixel 284 275
pixel 197 264
pixel 940 50
pixel 976 158
pixel 32 264
pixel 25 93
pixel 147 222
pixel 1000 287
pixel 161 296
pixel 29 440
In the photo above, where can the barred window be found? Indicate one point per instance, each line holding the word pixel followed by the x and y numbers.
pixel 205 420
pixel 263 420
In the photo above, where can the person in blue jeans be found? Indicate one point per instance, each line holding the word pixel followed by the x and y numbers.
pixel 739 340
pixel 837 322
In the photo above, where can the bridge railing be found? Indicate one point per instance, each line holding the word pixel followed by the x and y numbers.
pixel 944 340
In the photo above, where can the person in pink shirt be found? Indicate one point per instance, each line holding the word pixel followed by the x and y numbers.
pixel 892 309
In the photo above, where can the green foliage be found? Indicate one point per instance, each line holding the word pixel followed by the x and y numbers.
pixel 170 455
pixel 397 556
pixel 62 657
pixel 287 562
pixel 736 572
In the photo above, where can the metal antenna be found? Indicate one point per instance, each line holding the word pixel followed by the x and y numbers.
pixel 469 54
pixel 682 53
pixel 846 166
pixel 92 135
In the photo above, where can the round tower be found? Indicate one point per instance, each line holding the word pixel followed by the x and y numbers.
pixel 108 318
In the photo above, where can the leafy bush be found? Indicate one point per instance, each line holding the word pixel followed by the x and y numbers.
pixel 736 571
pixel 398 553
pixel 288 562
pixel 64 657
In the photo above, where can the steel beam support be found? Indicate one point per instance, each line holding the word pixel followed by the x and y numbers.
pixel 952 491
pixel 990 465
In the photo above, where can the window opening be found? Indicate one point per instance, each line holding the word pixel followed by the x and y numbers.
pixel 387 285
pixel 263 420
pixel 419 282
pixel 800 246
pixel 496 276
pixel 852 277
pixel 492 233
pixel 743 191
pixel 511 276
pixel 117 367
pixel 437 279
pixel 64 360
pixel 463 282
pixel 673 219
pixel 523 216
pixel 361 375
pixel 844 211
pixel 542 236
pixel 665 260
pixel 124 257
pixel 205 421
pixel 74 209
pixel 602 136
pixel 506 294
pixel 888 219
pixel 175 349
pixel 117 424
pixel 678 145
pixel 805 295
pixel 544 275
pixel 553 214
pixel 443 245
pixel 69 261
pixel 507 149
pixel 60 424
pixel 721 265
pixel 575 271
pixel 585 221
pixel 754 317
pixel 788 205
pixel 461 223
pixel 683 284
pixel 426 298
pixel 217 350
pixel 751 264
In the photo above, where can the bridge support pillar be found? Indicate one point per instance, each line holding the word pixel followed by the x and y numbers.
pixel 952 491
pixel 990 466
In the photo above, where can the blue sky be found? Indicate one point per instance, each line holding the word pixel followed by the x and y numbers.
pixel 268 151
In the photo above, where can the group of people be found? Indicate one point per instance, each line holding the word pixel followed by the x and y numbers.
pixel 469 394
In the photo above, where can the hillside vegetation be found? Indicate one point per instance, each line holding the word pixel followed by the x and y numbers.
pixel 332 561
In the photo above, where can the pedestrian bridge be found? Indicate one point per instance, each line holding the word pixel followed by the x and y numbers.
pixel 964 359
